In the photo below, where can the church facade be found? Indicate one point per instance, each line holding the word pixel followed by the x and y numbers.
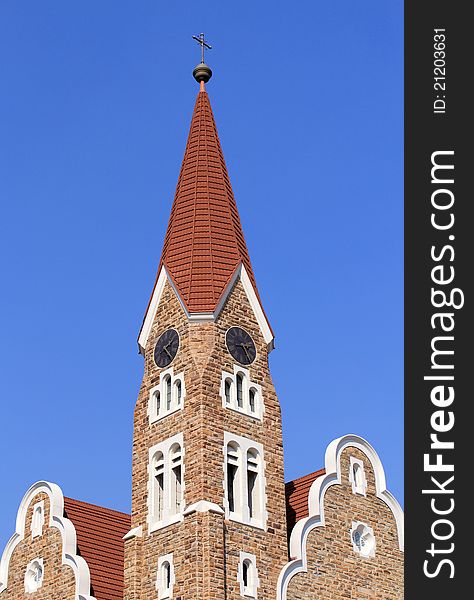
pixel 212 517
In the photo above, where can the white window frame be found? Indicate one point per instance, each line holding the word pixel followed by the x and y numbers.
pixel 358 487
pixel 169 515
pixel 37 519
pixel 163 590
pixel 33 586
pixel 241 509
pixel 155 415
pixel 370 553
pixel 248 384
pixel 249 590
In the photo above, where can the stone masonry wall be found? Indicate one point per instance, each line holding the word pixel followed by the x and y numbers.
pixel 58 579
pixel 206 546
pixel 335 570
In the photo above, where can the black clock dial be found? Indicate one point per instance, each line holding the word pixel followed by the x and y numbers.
pixel 241 345
pixel 166 348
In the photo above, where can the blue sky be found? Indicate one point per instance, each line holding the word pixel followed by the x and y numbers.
pixel 95 108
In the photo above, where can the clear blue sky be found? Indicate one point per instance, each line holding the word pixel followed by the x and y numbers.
pixel 95 104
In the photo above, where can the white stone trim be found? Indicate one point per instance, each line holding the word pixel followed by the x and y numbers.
pixel 358 487
pixel 165 591
pixel 316 518
pixel 133 533
pixel 167 517
pixel 203 506
pixel 37 519
pixel 205 317
pixel 153 415
pixel 151 310
pixel 370 551
pixel 68 538
pixel 247 386
pixel 249 591
pixel 31 588
pixel 242 514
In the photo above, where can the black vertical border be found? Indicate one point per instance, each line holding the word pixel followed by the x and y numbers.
pixel 425 133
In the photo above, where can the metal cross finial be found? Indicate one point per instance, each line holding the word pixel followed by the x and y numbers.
pixel 200 40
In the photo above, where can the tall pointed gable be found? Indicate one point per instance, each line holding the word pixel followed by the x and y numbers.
pixel 204 243
pixel 204 251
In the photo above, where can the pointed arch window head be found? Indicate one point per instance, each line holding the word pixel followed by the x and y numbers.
pixel 167 397
pixel 241 394
pixel 166 485
pixel 244 485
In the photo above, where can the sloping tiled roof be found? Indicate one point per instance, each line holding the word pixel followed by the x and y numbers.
pixel 99 540
pixel 296 493
pixel 204 242
pixel 100 532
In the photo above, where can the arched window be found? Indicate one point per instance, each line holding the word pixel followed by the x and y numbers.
pixel 168 392
pixel 252 400
pixel 232 477
pixel 357 476
pixel 158 483
pixel 37 519
pixel 178 391
pixel 247 575
pixel 253 492
pixel 240 390
pixel 240 393
pixel 165 577
pixel 246 566
pixel 228 391
pixel 176 479
pixel 157 401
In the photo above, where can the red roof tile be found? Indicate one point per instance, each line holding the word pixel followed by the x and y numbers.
pixel 204 243
pixel 99 540
pixel 296 493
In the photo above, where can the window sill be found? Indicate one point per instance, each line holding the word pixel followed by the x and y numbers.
pixel 165 522
pixel 155 418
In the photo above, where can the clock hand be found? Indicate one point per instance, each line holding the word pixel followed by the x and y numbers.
pixel 165 349
pixel 244 346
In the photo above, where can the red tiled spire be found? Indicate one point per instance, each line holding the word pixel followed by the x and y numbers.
pixel 204 243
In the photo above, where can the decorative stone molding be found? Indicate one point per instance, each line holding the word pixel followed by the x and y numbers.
pixel 229 393
pixel 239 273
pixel 316 518
pixel 160 391
pixel 67 530
pixel 34 575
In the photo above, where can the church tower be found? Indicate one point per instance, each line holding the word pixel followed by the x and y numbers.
pixel 208 495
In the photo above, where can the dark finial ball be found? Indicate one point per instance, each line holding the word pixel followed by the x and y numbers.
pixel 202 73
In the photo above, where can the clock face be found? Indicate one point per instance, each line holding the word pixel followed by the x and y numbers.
pixel 241 345
pixel 166 348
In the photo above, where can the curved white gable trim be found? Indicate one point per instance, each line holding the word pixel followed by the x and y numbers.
pixel 239 272
pixel 68 536
pixel 316 518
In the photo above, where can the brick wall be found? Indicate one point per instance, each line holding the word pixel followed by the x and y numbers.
pixel 58 580
pixel 206 546
pixel 335 570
